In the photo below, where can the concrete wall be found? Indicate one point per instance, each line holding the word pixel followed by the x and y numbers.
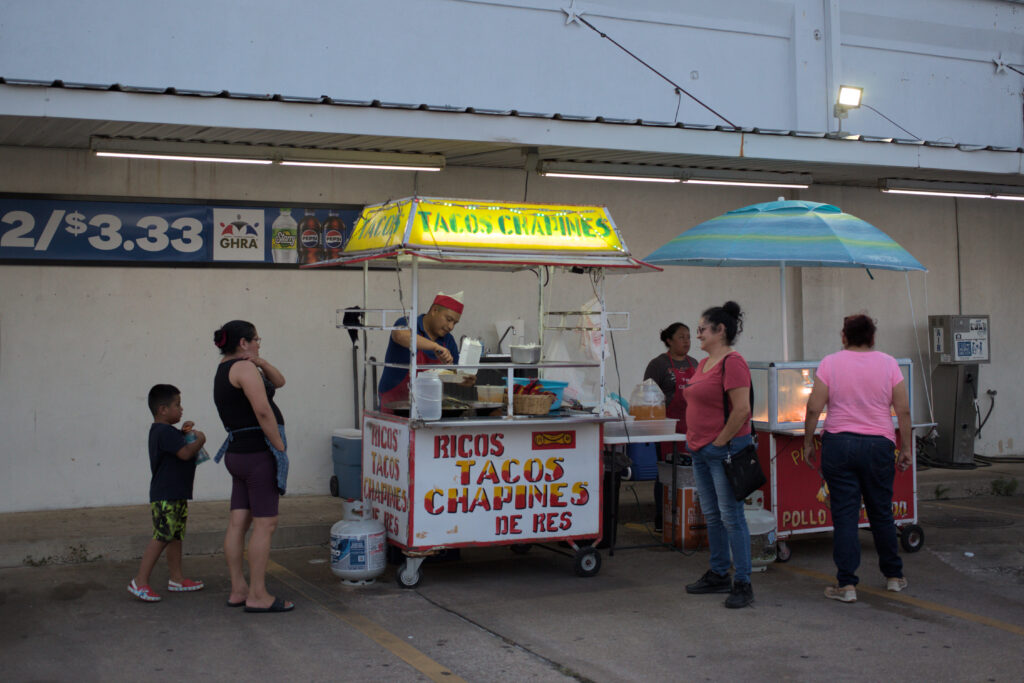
pixel 926 64
pixel 81 345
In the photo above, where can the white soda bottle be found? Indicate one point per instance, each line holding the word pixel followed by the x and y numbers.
pixel 283 237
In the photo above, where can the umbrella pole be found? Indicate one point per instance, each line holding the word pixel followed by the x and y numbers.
pixel 785 315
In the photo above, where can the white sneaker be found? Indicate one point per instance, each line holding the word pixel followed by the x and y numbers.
pixel 895 583
pixel 841 593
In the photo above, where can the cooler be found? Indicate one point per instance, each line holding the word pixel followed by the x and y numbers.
pixel 643 459
pixel 347 454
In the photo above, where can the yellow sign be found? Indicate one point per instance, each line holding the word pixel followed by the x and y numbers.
pixel 498 226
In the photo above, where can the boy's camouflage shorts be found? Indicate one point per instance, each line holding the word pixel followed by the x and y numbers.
pixel 169 519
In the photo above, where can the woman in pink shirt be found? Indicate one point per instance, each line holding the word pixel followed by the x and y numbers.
pixel 717 428
pixel 858 458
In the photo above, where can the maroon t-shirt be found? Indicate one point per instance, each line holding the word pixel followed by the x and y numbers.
pixel 705 409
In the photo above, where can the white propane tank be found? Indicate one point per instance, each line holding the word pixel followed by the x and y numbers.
pixel 358 550
pixel 761 524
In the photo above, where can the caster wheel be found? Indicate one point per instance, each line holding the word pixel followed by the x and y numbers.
pixel 334 485
pixel 911 538
pixel 521 548
pixel 783 552
pixel 407 576
pixel 588 562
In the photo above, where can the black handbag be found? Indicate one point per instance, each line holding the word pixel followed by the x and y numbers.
pixel 743 469
pixel 744 472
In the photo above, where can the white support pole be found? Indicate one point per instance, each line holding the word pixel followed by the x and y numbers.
pixel 414 410
pixel 785 311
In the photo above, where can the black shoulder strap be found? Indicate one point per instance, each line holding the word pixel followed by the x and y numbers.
pixel 725 394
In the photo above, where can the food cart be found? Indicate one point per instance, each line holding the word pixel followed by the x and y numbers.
pixel 795 493
pixel 487 474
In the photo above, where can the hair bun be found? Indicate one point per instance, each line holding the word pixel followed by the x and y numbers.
pixel 220 337
pixel 733 309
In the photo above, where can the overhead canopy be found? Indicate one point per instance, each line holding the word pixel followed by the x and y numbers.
pixel 455 232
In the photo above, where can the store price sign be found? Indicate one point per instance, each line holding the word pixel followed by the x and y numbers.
pixel 122 231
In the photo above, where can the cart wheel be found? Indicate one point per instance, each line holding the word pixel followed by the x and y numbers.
pixel 911 538
pixel 521 548
pixel 588 562
pixel 783 552
pixel 334 485
pixel 408 576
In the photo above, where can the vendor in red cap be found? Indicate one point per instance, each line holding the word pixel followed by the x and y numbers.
pixel 435 346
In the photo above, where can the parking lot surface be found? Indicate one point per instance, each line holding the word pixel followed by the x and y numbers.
pixel 493 615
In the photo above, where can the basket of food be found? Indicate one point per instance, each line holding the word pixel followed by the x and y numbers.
pixel 531 399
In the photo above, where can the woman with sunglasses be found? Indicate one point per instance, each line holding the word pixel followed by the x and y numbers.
pixel 243 390
pixel 717 427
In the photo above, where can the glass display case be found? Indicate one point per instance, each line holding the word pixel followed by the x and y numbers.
pixel 781 390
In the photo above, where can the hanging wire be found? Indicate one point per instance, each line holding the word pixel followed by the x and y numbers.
pixel 890 120
pixel 675 85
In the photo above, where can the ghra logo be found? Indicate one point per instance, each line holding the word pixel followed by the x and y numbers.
pixel 239 235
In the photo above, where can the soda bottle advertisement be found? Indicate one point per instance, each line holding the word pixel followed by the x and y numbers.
pixel 334 234
pixel 284 238
pixel 310 238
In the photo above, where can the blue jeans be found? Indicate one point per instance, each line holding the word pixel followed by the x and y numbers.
pixel 856 466
pixel 727 525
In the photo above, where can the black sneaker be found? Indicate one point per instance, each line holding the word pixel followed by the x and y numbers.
pixel 657 524
pixel 711 583
pixel 742 594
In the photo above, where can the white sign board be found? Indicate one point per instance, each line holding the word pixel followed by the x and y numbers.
pixel 465 485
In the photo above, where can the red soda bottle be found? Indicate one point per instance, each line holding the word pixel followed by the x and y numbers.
pixel 310 244
pixel 334 235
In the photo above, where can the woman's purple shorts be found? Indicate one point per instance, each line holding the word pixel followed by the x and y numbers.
pixel 254 482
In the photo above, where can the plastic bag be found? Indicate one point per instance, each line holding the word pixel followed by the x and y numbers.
pixel 647 402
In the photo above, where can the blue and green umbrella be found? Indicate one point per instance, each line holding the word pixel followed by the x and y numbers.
pixel 786 233
pixel 790 233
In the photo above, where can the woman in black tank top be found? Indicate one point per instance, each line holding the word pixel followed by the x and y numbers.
pixel 243 390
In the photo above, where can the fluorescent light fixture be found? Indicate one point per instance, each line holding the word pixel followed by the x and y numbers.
pixel 602 171
pixel 671 174
pixel 263 154
pixel 748 178
pixel 928 188
pixel 850 96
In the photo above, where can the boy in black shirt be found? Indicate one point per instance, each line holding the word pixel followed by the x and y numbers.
pixel 173 464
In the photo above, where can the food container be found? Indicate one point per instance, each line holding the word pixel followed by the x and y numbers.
pixel 525 353
pixel 490 393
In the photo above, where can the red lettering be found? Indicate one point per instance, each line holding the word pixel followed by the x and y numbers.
pixel 480 499
pixel 506 471
pixel 497 447
pixel 555 495
pixel 580 493
pixel 463 449
pixel 555 471
pixel 489 473
pixel 566 523
pixel 529 473
pixel 428 502
pixel 480 442
pixel 465 466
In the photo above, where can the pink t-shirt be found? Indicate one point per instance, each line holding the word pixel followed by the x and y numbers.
pixel 705 409
pixel 860 385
